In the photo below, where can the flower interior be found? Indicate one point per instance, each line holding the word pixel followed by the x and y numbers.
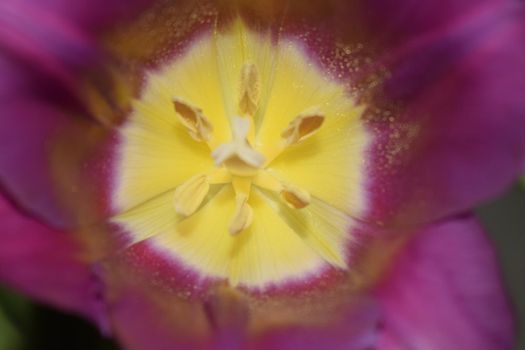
pixel 243 161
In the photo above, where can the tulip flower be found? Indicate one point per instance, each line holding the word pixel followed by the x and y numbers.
pixel 262 174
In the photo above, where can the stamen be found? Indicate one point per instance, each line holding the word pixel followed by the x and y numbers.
pixel 243 216
pixel 189 196
pixel 295 197
pixel 238 156
pixel 303 126
pixel 198 126
pixel 250 90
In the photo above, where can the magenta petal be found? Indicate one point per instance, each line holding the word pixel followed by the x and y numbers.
pixel 154 303
pixel 52 156
pixel 49 48
pixel 460 132
pixel 142 321
pixel 91 15
pixel 145 313
pixel 47 265
pixel 24 167
pixel 358 330
pixel 394 23
pixel 58 42
pixel 445 292
pixel 44 152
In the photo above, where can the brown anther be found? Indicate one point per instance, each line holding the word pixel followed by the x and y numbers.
pixel 302 127
pixel 250 89
pixel 193 119
pixel 295 197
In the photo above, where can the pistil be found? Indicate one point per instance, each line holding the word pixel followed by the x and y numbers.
pixel 238 156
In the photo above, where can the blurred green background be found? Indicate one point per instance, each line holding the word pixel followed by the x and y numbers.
pixel 504 220
pixel 25 325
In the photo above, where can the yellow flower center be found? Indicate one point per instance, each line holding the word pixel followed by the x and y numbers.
pixel 237 161
pixel 243 161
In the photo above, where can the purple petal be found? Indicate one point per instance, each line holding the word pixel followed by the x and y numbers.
pixel 47 265
pixel 445 292
pixel 45 153
pixel 152 320
pixel 393 23
pixel 24 167
pixel 43 39
pixel 153 303
pixel 459 136
pixel 145 313
pixel 59 44
pixel 91 15
pixel 357 330
pixel 54 159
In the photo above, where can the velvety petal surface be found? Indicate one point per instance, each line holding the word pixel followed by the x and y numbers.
pixel 54 149
pixel 47 265
pixel 444 291
pixel 43 39
pixel 92 15
pixel 393 23
pixel 450 118
pixel 357 330
pixel 35 171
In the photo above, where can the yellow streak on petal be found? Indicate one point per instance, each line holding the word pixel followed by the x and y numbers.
pixel 264 180
pixel 219 176
pixel 323 228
